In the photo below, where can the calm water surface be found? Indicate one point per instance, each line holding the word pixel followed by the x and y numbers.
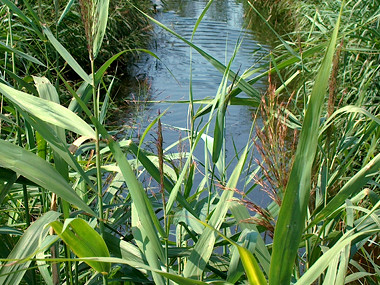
pixel 218 34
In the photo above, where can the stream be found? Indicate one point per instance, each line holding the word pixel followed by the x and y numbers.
pixel 168 78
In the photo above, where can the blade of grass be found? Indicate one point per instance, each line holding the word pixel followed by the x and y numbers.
pixel 67 56
pixel 22 16
pixel 352 187
pixel 202 250
pixel 13 272
pixel 100 20
pixel 291 220
pixel 20 54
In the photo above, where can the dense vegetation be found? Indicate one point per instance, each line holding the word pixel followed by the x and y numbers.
pixel 73 206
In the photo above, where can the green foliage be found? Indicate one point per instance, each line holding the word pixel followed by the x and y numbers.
pixel 60 167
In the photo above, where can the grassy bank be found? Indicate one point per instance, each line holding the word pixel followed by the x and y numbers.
pixel 78 207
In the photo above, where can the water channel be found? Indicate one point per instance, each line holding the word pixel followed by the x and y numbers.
pixel 218 34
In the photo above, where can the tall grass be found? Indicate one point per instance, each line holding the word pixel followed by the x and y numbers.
pixel 107 227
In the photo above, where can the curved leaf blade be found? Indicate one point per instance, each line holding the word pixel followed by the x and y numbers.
pixel 84 242
pixel 48 111
pixel 40 172
pixel 13 273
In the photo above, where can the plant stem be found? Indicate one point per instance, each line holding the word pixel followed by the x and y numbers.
pixel 95 99
pixel 162 190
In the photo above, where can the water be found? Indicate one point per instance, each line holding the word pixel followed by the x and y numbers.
pixel 218 34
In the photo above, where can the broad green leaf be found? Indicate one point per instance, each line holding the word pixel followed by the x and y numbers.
pixel 147 247
pixel 176 278
pixel 59 146
pixel 84 241
pixel 25 248
pixel 48 111
pixel 54 135
pixel 291 219
pixel 40 172
pixel 155 173
pixel 221 99
pixel 175 191
pixel 248 240
pixel 100 24
pixel 139 197
pixel 251 267
pixel 67 56
pixel 241 214
pixel 121 248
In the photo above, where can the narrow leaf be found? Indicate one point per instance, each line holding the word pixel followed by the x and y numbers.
pixel 291 220
pixel 100 20
pixel 67 56
pixel 13 272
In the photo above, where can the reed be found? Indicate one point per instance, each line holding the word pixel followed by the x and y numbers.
pixel 199 227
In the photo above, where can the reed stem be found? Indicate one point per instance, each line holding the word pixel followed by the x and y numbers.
pixel 95 98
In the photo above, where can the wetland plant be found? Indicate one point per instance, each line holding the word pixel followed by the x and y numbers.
pixel 73 208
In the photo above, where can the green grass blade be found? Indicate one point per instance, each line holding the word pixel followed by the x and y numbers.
pixel 291 220
pixel 13 273
pixel 139 197
pixel 40 172
pixel 65 11
pixel 20 54
pixel 100 19
pixel 251 267
pixel 202 251
pixel 175 191
pixel 67 56
pixel 143 242
pixel 48 111
pixel 59 146
pixel 12 6
pixel 242 215
pixel 323 262
pixel 352 187
pixel 155 173
pixel 84 241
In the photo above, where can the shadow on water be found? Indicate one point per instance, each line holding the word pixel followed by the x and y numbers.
pixel 218 34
